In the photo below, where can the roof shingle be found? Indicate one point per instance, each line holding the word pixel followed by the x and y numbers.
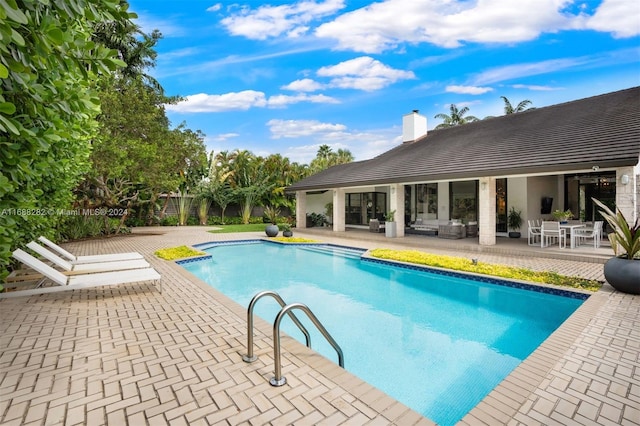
pixel 602 130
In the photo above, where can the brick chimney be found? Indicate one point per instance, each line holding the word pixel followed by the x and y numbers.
pixel 414 126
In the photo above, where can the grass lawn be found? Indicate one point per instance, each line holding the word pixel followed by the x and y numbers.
pixel 251 227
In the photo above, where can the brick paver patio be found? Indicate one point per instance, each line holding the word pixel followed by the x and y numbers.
pixel 132 355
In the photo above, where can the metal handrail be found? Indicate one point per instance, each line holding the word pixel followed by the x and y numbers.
pixel 250 357
pixel 278 379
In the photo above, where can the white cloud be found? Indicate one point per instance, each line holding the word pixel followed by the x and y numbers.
pixel 449 23
pixel 468 90
pixel 619 17
pixel 362 144
pixel 271 21
pixel 363 73
pixel 510 72
pixel 304 85
pixel 232 101
pixel 242 101
pixel 280 101
pixel 222 137
pixel 148 23
pixel 216 7
pixel 298 128
pixel 534 87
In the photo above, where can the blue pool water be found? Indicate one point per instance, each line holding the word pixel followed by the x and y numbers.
pixel 437 343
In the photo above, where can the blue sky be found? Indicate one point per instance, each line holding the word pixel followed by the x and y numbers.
pixel 288 76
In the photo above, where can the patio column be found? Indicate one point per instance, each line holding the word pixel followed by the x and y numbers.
pixel 627 187
pixel 338 210
pixel 301 209
pixel 396 202
pixel 487 212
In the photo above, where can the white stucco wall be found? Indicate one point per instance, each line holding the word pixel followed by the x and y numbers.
pixel 537 188
pixel 517 198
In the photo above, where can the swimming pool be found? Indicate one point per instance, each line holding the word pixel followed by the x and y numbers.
pixel 438 343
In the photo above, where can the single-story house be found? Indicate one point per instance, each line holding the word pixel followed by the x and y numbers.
pixel 537 161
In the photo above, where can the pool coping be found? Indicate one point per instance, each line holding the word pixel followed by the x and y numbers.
pixel 505 401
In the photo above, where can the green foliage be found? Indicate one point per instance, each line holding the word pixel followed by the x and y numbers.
pixel 561 215
pixel 390 216
pixel 76 227
pixel 179 252
pixel 272 214
pixel 182 203
pixel 455 117
pixel 227 229
pixel 623 236
pixel 514 219
pixel 463 264
pixel 48 70
pixel 293 240
pixel 316 219
pixel 169 221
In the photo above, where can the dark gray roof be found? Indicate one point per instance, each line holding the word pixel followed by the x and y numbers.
pixel 599 131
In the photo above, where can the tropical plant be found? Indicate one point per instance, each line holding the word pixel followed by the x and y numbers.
pixel 203 210
pixel 325 158
pixel 625 239
pixel 183 203
pixel 390 216
pixel 561 215
pixel 272 214
pixel 455 117
pixel 514 219
pixel 509 109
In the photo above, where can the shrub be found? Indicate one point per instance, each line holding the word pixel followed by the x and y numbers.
pixel 169 221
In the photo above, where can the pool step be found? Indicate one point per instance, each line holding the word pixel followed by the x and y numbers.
pixel 348 252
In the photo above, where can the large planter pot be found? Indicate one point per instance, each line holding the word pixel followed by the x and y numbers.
pixel 287 234
pixel 271 230
pixel 514 234
pixel 390 229
pixel 623 274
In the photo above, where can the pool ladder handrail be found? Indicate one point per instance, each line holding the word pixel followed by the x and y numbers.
pixel 250 357
pixel 279 379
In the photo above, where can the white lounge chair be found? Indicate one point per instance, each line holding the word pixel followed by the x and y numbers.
pixel 65 283
pixel 87 267
pixel 116 257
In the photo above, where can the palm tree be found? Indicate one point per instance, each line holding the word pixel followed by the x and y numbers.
pixel 509 109
pixel 455 117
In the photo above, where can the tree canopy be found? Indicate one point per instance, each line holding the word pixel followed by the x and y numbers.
pixel 455 117
pixel 48 101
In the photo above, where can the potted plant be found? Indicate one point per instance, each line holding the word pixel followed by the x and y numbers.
pixel 562 216
pixel 272 213
pixel 623 270
pixel 514 222
pixel 390 224
pixel 286 230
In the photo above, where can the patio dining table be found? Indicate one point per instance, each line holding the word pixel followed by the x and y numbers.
pixel 570 227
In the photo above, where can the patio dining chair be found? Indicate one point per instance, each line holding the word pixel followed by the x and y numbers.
pixel 551 231
pixel 594 233
pixel 533 232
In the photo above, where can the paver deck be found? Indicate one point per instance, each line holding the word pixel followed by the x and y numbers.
pixel 132 355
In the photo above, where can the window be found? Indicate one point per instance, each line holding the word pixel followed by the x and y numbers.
pixel 427 200
pixel 463 203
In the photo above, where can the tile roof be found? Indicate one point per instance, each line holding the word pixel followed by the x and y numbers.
pixel 602 130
